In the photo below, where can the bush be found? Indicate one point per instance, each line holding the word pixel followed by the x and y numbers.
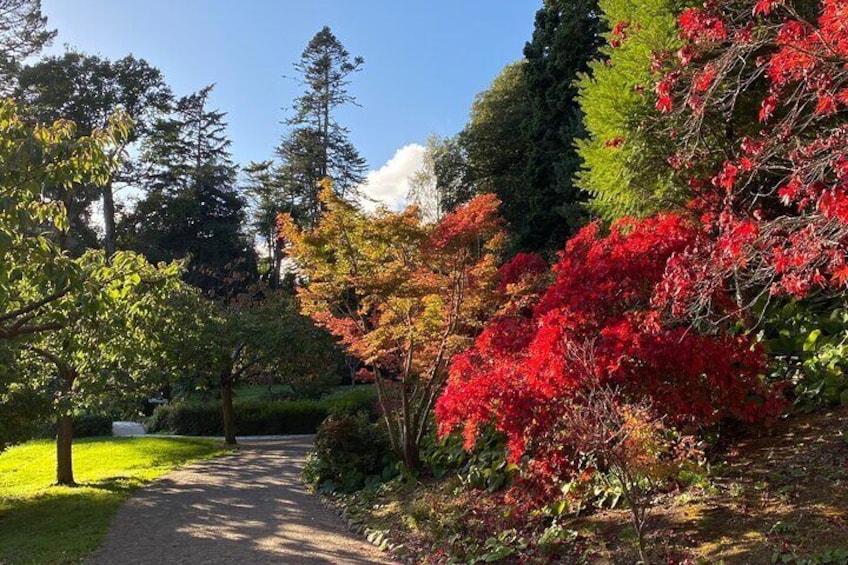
pixel 92 425
pixel 350 452
pixel 260 417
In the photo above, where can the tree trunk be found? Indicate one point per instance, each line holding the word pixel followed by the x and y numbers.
pixel 64 461
pixel 228 412
pixel 411 452
pixel 109 237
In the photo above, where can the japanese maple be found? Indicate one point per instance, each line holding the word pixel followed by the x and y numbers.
pixel 402 295
pixel 595 326
pixel 757 101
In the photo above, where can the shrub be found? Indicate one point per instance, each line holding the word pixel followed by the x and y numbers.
pixel 596 325
pixel 260 417
pixel 350 452
pixel 92 425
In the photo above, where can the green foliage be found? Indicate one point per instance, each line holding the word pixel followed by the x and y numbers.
pixel 830 557
pixel 566 38
pixel 444 181
pixel 484 467
pixel 257 417
pixel 40 286
pixel 192 209
pixel 494 140
pixel 808 345
pixel 624 158
pixel 350 452
pixel 50 524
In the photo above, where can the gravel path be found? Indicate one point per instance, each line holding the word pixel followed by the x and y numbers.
pixel 250 507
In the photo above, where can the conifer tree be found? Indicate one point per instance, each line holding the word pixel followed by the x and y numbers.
pixel 192 208
pixel 624 157
pixel 566 37
pixel 23 33
pixel 316 145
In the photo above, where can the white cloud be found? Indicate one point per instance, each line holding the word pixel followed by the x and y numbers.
pixel 389 185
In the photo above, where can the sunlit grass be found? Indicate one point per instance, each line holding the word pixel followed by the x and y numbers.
pixel 42 523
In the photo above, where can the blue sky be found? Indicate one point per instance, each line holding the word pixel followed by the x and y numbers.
pixel 424 61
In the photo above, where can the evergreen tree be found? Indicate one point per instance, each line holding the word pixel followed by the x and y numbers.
pixel 316 145
pixel 624 157
pixel 566 37
pixel 192 208
pixel 23 33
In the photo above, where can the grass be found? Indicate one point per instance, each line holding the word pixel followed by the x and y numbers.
pixel 42 523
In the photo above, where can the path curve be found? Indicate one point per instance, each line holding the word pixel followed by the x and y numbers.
pixel 249 507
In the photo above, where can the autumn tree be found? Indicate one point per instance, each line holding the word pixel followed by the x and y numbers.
pixel 596 325
pixel 402 296
pixel 88 90
pixel 765 82
pixel 317 146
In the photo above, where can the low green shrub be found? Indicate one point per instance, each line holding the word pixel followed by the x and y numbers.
pixel 808 345
pixel 260 417
pixel 350 452
pixel 92 425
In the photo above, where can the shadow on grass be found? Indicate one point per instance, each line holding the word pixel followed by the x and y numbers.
pixel 60 525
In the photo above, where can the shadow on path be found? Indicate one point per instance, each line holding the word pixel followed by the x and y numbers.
pixel 249 507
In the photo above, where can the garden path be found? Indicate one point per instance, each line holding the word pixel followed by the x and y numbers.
pixel 249 507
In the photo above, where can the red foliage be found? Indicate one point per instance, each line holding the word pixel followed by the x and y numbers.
pixel 776 209
pixel 595 326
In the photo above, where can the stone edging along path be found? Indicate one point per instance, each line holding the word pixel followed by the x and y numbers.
pixel 248 507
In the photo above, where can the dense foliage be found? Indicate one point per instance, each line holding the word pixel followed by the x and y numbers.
pixel 596 325
pixel 401 294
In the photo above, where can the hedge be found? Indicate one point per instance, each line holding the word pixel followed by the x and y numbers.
pixel 259 417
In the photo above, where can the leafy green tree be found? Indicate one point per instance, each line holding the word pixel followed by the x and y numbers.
pixel 192 207
pixel 102 348
pixel 316 145
pixel 23 33
pixel 39 283
pixel 494 142
pixel 566 37
pixel 256 333
pixel 87 90
pixel 624 156
pixel 444 181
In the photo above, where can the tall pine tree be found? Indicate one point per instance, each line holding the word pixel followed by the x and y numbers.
pixel 192 208
pixel 316 145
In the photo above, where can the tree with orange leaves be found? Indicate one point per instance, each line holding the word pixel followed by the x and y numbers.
pixel 401 295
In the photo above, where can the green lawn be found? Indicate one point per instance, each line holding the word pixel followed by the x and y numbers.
pixel 41 523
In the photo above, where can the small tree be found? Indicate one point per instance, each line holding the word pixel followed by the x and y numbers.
pixel 401 295
pixel 102 347
pixel 626 445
